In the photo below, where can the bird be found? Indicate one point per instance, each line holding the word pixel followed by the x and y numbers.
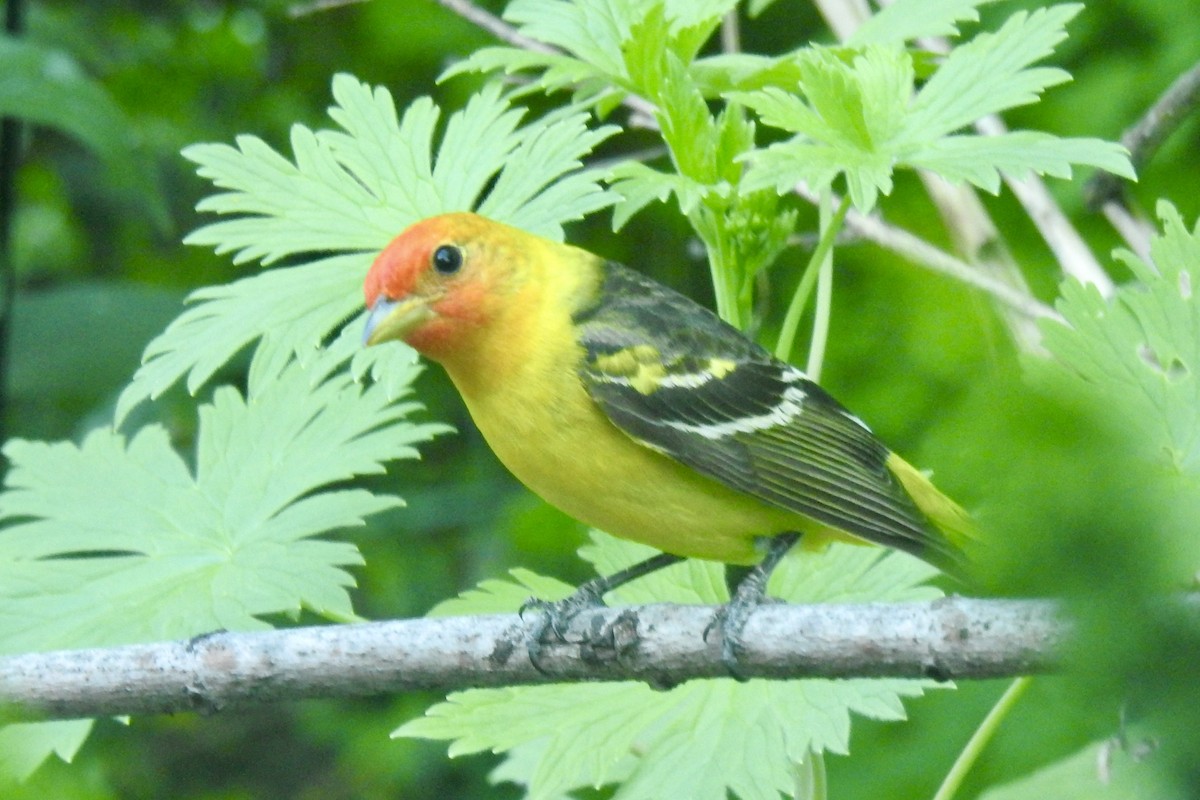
pixel 639 412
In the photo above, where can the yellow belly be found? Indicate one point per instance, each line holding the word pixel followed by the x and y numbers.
pixel 563 447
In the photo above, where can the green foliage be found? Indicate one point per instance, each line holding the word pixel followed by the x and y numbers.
pixel 118 539
pixel 1115 769
pixel 1139 353
pixel 856 113
pixel 699 740
pixel 858 116
pixel 351 191
pixel 907 20
pixel 25 745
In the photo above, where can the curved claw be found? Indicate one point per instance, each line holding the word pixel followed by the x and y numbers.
pixel 751 593
pixel 557 615
pixel 555 619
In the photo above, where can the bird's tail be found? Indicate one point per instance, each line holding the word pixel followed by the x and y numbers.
pixel 947 516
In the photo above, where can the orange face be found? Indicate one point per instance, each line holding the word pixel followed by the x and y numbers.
pixel 430 287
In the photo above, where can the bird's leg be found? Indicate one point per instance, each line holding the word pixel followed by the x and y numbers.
pixel 556 616
pixel 748 596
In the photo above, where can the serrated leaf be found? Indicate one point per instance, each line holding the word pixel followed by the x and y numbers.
pixel 981 160
pixel 855 117
pixel 608 47
pixel 293 306
pixel 991 73
pixel 543 183
pixel 1140 351
pixel 117 540
pixel 638 185
pixel 592 30
pixel 726 72
pixel 1102 769
pixel 846 123
pixel 494 596
pixel 906 20
pixel 699 740
pixel 556 71
pixel 25 745
pixel 349 192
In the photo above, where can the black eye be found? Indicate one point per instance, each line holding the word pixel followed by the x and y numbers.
pixel 447 259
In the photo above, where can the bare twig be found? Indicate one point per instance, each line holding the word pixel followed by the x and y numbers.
pixel 664 645
pixel 495 26
pixel 926 255
pixel 985 252
pixel 1106 192
pixel 298 10
pixel 1072 252
pixel 731 33
pixel 644 111
pixel 1162 119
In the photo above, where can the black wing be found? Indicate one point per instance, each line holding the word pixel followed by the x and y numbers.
pixel 679 380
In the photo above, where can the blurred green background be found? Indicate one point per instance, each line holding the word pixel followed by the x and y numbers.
pixel 100 269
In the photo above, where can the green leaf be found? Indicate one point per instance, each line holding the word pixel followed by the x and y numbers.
pixel 349 192
pixel 25 745
pixel 981 160
pixel 638 185
pixel 608 47
pixel 856 117
pixel 355 190
pixel 906 20
pixel 846 123
pixel 1139 352
pixel 495 595
pixel 591 30
pixel 47 87
pixel 991 73
pixel 556 71
pixel 699 740
pixel 296 306
pixel 1102 769
pixel 117 540
pixel 600 32
pixel 727 72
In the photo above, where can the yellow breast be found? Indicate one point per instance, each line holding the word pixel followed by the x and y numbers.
pixel 524 393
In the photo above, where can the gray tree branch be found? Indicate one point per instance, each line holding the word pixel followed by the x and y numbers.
pixel 947 639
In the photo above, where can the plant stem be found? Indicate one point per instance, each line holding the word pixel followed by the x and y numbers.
pixel 791 321
pixel 821 313
pixel 811 783
pixel 979 740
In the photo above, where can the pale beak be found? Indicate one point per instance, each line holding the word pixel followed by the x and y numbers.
pixel 395 319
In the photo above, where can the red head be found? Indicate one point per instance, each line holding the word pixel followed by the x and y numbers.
pixel 439 283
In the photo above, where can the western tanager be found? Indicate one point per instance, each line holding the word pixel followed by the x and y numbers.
pixel 636 410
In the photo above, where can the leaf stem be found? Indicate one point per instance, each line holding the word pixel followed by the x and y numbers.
pixel 810 780
pixel 791 321
pixel 821 312
pixel 979 740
